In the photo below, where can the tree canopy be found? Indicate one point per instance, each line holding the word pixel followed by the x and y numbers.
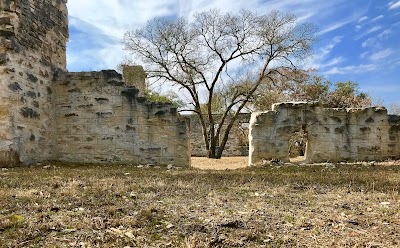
pixel 307 86
pixel 221 55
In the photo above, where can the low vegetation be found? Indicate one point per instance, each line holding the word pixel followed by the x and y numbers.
pixel 280 205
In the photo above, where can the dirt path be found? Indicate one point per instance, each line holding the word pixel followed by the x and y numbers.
pixel 230 163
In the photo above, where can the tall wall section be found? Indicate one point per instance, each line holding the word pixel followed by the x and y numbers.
pixel 333 134
pixel 33 36
pixel 100 119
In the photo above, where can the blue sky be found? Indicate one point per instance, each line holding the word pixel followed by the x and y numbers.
pixel 359 40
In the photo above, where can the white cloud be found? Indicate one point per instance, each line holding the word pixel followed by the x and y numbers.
pixel 374 29
pixel 333 27
pixel 112 18
pixel 375 41
pixel 321 57
pixel 364 54
pixel 364 18
pixel 370 42
pixel 333 62
pixel 385 34
pixel 370 31
pixel 394 5
pixel 377 18
pixel 351 69
pixel 381 55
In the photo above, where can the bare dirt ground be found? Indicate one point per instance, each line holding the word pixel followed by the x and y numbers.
pixel 323 205
pixel 226 163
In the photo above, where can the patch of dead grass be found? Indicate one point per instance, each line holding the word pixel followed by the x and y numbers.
pixel 283 206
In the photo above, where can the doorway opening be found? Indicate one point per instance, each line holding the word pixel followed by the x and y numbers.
pixel 298 146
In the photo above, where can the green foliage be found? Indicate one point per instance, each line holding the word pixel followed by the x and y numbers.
pixel 169 97
pixel 304 86
pixel 16 218
pixel 347 95
pixel 348 88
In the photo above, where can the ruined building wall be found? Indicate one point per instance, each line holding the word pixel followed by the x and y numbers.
pixel 333 134
pixel 47 113
pixel 237 144
pixel 100 119
pixel 33 36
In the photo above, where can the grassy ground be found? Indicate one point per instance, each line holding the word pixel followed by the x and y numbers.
pixel 322 205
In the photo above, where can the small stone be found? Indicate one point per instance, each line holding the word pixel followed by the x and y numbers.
pixel 68 230
pixel 4 169
pixel 170 167
pixel 130 235
pixel 169 225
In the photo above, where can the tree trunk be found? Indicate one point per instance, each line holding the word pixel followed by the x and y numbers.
pixel 213 147
pixel 224 141
pixel 226 134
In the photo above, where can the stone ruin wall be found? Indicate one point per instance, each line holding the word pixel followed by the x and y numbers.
pixel 106 121
pixel 33 36
pixel 49 114
pixel 334 135
pixel 237 145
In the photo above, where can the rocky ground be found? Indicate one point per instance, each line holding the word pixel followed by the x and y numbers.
pixel 278 205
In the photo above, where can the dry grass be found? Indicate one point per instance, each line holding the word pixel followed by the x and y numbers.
pixel 124 206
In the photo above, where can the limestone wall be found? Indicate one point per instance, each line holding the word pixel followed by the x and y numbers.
pixel 33 36
pixel 100 119
pixel 333 134
pixel 237 144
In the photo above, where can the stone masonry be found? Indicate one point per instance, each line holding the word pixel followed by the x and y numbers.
pixel 333 134
pixel 106 121
pixel 47 113
pixel 33 36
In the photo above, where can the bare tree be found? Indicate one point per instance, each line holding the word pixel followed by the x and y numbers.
pixel 216 52
pixel 395 108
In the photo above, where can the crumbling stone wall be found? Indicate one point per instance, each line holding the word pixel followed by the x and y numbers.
pixel 333 134
pixel 49 114
pixel 237 144
pixel 100 119
pixel 33 36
